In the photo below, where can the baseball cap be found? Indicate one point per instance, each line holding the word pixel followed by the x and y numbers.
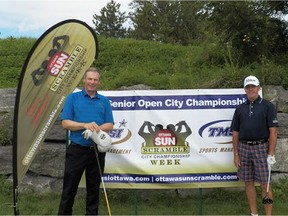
pixel 103 141
pixel 251 80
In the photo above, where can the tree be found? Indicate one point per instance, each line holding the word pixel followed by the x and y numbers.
pixel 110 21
pixel 250 27
pixel 166 21
pixel 143 20
pixel 188 22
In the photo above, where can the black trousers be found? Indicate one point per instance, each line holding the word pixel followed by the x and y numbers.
pixel 78 159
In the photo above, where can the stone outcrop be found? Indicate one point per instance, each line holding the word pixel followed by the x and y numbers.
pixel 42 178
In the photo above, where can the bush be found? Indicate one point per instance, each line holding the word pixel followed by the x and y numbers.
pixel 126 62
pixel 5 129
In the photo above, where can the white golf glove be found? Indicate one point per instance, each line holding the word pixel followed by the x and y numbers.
pixel 271 160
pixel 87 134
pixel 102 139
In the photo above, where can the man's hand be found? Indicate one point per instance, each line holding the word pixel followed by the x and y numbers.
pixel 271 160
pixel 102 139
pixel 91 126
pixel 237 162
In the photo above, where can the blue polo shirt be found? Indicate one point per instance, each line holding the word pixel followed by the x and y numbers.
pixel 80 107
pixel 253 119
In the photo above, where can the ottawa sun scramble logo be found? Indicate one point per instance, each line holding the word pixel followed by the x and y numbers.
pixel 168 140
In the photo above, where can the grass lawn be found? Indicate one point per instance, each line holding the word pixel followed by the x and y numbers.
pixel 145 202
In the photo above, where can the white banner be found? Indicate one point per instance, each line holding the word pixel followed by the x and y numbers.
pixel 172 139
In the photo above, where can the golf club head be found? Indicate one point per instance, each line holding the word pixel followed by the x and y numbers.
pixel 267 201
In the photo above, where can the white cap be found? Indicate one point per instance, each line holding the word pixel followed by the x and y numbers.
pixel 103 141
pixel 251 80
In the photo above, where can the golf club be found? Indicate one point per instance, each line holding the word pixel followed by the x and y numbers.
pixel 103 185
pixel 267 200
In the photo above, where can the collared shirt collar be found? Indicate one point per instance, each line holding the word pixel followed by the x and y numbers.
pixel 258 100
pixel 87 95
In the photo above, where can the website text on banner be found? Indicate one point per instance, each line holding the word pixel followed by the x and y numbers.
pixel 172 139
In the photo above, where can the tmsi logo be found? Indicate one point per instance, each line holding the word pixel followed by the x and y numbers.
pixel 217 131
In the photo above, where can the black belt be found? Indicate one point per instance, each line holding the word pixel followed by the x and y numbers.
pixel 254 142
pixel 81 146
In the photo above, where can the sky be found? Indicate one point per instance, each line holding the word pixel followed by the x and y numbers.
pixel 31 18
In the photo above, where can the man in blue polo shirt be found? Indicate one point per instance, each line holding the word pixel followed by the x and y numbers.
pixel 254 127
pixel 83 110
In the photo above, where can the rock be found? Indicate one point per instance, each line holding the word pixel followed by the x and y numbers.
pixel 136 87
pixel 278 96
pixel 7 99
pixel 6 160
pixel 283 125
pixel 281 164
pixel 50 160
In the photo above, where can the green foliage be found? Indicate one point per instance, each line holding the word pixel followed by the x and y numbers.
pixel 6 196
pixel 5 130
pixel 13 53
pixel 256 31
pixel 177 22
pixel 110 21
pixel 259 28
pixel 137 62
pixel 4 140
pixel 6 186
pixel 217 201
pixel 126 62
pixel 280 190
